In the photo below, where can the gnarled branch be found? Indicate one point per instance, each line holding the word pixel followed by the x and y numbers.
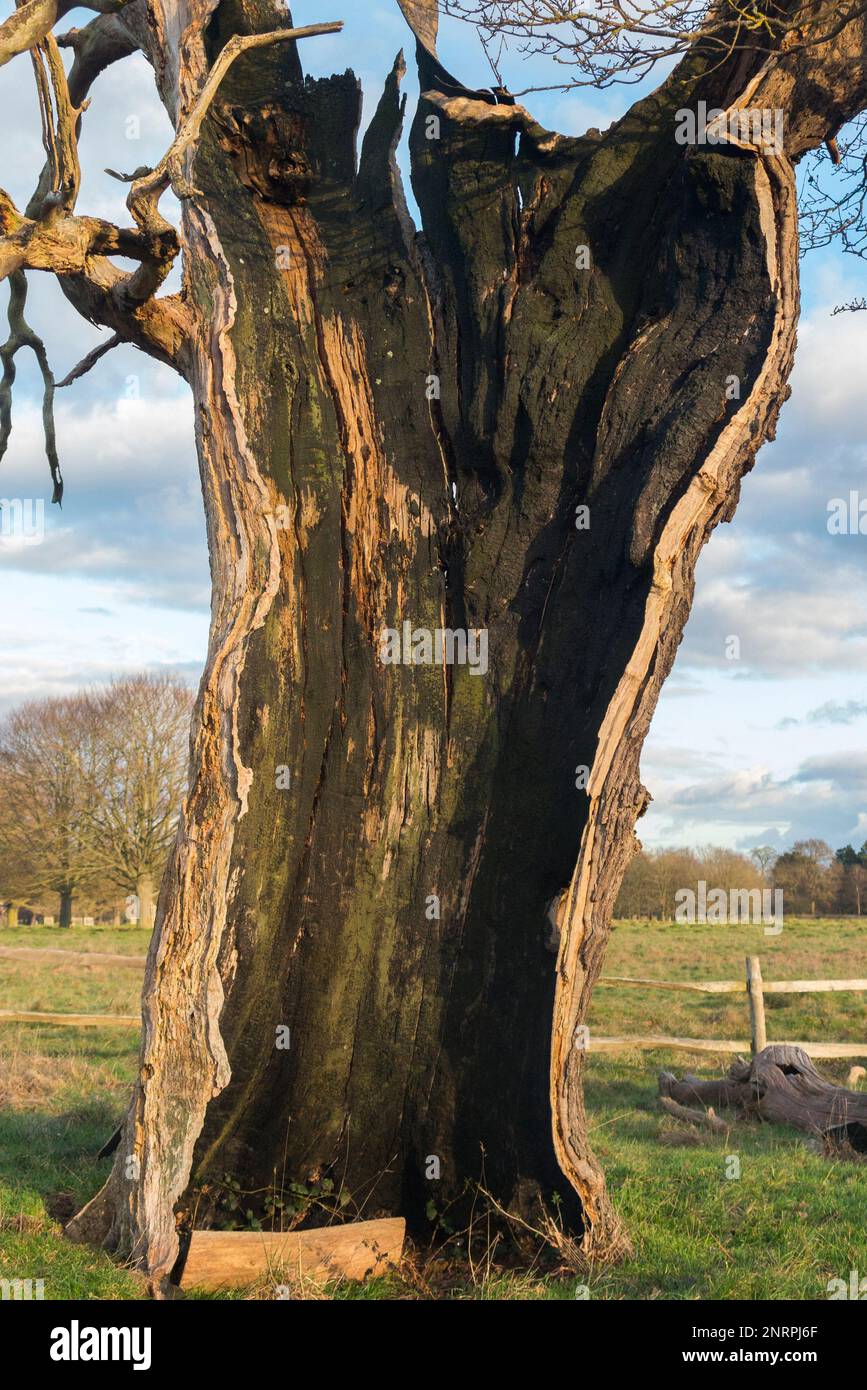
pixel 22 335
pixel 34 20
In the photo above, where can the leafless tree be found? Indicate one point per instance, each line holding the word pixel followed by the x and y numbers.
pixel 136 778
pixel 44 801
pixel 764 857
pixel 623 41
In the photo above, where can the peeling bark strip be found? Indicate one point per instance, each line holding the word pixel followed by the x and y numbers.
pixel 386 898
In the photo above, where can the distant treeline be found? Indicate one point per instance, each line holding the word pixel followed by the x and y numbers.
pixel 813 877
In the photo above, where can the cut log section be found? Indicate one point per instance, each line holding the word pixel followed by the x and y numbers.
pixel 231 1259
pixel 780 1085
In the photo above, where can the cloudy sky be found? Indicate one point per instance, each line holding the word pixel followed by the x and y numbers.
pixel 763 749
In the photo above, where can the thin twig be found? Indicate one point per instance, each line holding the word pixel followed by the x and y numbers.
pixel 90 360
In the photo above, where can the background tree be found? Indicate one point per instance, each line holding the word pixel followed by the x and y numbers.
pixel 806 877
pixel 764 858
pixel 397 426
pixel 819 878
pixel 137 775
pixel 653 878
pixel 854 866
pixel 44 801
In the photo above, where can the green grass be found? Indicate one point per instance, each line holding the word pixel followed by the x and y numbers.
pixel 806 949
pixel 119 941
pixel 791 1221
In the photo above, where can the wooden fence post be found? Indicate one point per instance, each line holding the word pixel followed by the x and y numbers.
pixel 756 995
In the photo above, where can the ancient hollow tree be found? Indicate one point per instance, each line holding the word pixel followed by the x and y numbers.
pixel 401 426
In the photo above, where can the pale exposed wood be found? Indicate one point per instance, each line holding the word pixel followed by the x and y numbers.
pixel 50 953
pixel 71 1020
pixel 226 1259
pixel 758 1030
pixel 656 1041
pixel 699 986
pixel 620 1043
pixel 614 781
pixel 812 986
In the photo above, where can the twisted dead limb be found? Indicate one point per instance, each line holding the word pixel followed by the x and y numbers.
pixel 780 1085
pixel 22 335
pixel 708 1118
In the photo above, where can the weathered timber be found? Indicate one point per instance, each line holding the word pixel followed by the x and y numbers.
pixel 658 1042
pixel 692 1116
pixel 71 1020
pixel 42 954
pixel 755 995
pixel 231 1259
pixel 735 986
pixel 780 1085
pixel 693 986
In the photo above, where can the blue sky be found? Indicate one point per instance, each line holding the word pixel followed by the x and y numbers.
pixel 767 748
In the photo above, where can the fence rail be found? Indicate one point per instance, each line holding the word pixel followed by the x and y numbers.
pixel 46 953
pixel 71 1020
pixel 753 986
pixel 736 986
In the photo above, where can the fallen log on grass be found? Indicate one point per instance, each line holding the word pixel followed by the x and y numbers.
pixel 780 1084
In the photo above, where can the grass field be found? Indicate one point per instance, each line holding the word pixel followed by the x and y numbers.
pixel 793 1219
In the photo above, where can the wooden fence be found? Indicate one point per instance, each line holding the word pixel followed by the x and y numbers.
pixel 752 985
pixel 755 989
pixel 79 958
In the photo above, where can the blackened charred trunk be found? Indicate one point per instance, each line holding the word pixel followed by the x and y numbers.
pixel 352 969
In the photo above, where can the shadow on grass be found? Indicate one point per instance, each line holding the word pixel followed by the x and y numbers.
pixel 42 1153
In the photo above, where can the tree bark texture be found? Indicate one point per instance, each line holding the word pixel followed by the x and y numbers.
pixel 334 797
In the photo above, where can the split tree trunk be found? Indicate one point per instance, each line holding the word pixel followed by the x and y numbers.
pixel 399 427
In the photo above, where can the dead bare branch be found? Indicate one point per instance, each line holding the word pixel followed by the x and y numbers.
pixel 692 1116
pixel 60 179
pixel 34 20
pixel 90 360
pixel 105 40
pixel 29 25
pixel 21 335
